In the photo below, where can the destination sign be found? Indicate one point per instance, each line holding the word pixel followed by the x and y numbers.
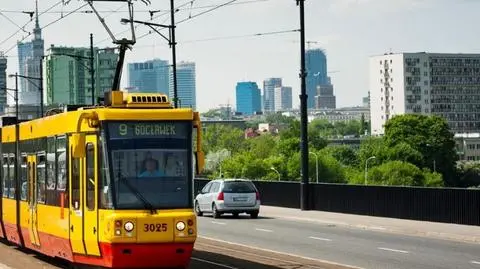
pixel 145 129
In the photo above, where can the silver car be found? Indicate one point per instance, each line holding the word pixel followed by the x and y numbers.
pixel 228 196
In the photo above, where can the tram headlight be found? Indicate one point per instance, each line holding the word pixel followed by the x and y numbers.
pixel 128 226
pixel 180 226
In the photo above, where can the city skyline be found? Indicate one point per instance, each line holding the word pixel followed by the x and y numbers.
pixel 329 23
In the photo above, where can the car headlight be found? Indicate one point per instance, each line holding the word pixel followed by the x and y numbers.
pixel 180 225
pixel 128 226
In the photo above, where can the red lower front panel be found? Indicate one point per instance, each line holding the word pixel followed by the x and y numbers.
pixel 141 255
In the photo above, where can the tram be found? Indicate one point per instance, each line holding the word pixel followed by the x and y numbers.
pixel 108 185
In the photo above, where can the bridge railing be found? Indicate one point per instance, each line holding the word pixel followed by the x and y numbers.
pixel 448 205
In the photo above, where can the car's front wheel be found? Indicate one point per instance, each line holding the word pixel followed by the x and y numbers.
pixel 197 209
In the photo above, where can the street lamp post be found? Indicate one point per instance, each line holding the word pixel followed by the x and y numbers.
pixel 304 205
pixel 316 164
pixel 366 168
pixel 276 171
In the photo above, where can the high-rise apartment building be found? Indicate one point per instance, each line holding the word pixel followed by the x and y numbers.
pixel 149 76
pixel 316 67
pixel 248 98
pixel 68 74
pixel 3 82
pixel 186 85
pixel 30 60
pixel 269 86
pixel 446 85
pixel 283 98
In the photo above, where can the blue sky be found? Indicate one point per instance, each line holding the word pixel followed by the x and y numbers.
pixel 349 30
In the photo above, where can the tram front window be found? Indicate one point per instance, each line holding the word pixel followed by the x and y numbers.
pixel 151 172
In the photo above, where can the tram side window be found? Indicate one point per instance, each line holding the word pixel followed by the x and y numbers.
pixel 90 176
pixel 51 178
pixel 104 179
pixel 61 164
pixel 6 178
pixel 24 175
pixel 11 173
pixel 41 174
pixel 76 183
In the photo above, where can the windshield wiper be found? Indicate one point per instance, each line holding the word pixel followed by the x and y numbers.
pixel 145 202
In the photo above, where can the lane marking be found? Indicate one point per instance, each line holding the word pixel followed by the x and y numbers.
pixel 219 223
pixel 263 230
pixel 475 262
pixel 214 263
pixel 377 228
pixel 278 252
pixel 319 238
pixel 394 250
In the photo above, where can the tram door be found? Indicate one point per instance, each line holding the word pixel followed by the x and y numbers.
pixel 76 203
pixel 33 195
pixel 90 196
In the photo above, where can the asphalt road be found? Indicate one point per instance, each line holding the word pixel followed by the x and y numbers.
pixel 207 255
pixel 361 248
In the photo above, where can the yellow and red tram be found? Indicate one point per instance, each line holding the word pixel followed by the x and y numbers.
pixel 108 186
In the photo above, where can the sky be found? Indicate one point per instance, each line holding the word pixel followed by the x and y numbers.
pixel 350 31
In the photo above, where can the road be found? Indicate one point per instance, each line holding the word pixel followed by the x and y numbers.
pixel 356 247
pixel 208 254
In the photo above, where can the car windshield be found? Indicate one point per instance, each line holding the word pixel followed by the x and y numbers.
pixel 151 172
pixel 238 187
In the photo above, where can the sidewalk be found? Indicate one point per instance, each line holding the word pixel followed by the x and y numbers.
pixel 462 233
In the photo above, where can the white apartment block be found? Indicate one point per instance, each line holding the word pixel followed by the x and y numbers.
pixel 446 85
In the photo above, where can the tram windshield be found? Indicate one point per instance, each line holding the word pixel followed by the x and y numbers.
pixel 150 165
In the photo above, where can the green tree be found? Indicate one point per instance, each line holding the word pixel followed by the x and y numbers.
pixel 406 153
pixel 262 146
pixel 431 136
pixel 343 153
pixel 220 136
pixel 396 173
pixel 469 174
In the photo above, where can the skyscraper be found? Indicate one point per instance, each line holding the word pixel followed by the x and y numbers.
pixel 186 85
pixel 30 57
pixel 316 67
pixel 149 76
pixel 68 78
pixel 3 82
pixel 248 98
pixel 269 86
pixel 283 98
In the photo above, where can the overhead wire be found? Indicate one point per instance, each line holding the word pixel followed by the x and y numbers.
pixel 47 25
pixel 29 33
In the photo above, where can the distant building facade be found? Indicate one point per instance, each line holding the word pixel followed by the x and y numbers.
pixel 316 67
pixel 30 60
pixel 325 99
pixel 69 79
pixel 248 98
pixel 186 85
pixel 440 84
pixel 269 86
pixel 149 76
pixel 283 98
